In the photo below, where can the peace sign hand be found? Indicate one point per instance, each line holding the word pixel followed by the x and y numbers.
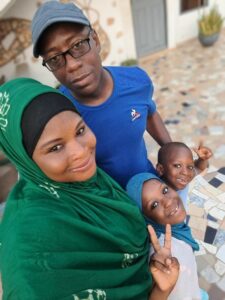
pixel 164 267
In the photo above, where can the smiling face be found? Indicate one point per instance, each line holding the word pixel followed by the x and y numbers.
pixel 161 203
pixel 177 168
pixel 65 151
pixel 81 75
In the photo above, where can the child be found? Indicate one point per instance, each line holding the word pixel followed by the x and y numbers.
pixel 177 167
pixel 162 205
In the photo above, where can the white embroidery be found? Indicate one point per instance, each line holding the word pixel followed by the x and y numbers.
pixel 4 108
pixel 128 259
pixel 92 295
pixel 51 188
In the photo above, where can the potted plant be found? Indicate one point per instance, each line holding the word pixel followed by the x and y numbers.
pixel 210 25
pixel 129 62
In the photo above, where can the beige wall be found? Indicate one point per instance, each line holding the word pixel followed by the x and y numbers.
pixel 182 27
pixel 111 18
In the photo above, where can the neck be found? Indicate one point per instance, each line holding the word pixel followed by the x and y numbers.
pixel 101 93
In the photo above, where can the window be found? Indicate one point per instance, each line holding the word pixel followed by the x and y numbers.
pixel 187 5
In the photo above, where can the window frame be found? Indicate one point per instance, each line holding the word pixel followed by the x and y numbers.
pixel 204 4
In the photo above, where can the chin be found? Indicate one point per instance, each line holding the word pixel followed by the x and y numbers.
pixel 84 177
pixel 182 217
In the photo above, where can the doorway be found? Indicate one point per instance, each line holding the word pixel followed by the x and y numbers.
pixel 149 20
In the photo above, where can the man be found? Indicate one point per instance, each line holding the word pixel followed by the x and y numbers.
pixel 115 102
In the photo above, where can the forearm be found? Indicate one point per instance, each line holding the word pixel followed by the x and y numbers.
pixel 157 129
pixel 201 164
pixel 157 294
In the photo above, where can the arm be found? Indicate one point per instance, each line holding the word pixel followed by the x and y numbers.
pixel 204 154
pixel 164 268
pixel 157 129
pixel 157 294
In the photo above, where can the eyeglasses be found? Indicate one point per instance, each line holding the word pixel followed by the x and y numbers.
pixel 77 50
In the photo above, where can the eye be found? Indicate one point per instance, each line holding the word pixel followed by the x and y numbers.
pixel 178 166
pixel 81 130
pixel 165 190
pixel 78 45
pixel 54 59
pixel 191 168
pixel 154 205
pixel 55 148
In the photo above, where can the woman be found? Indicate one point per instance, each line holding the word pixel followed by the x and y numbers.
pixel 68 231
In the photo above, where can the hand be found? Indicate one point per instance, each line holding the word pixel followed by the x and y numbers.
pixel 164 267
pixel 203 152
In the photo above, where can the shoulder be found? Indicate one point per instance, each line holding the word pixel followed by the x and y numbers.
pixel 65 91
pixel 134 73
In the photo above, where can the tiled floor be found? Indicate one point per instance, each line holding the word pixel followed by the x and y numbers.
pixel 190 94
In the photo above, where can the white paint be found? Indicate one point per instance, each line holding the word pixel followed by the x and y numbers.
pixel 5 5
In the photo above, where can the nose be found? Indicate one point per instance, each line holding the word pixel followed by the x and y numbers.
pixel 167 201
pixel 184 170
pixel 72 64
pixel 76 151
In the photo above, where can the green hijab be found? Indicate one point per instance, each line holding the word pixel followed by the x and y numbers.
pixel 81 240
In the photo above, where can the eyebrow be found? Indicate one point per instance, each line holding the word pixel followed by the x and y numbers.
pixel 69 41
pixel 59 139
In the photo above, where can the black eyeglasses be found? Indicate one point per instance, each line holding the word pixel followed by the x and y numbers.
pixel 77 50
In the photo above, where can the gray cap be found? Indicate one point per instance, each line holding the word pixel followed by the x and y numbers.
pixel 52 12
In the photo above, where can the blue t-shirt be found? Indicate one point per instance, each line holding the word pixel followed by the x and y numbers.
pixel 119 123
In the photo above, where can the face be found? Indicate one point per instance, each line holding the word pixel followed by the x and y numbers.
pixel 161 203
pixel 81 75
pixel 179 169
pixel 65 151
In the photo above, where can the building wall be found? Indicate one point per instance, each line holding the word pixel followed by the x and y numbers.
pixel 112 19
pixel 182 27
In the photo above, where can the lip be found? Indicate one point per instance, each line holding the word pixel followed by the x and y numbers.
pixel 173 211
pixel 182 181
pixel 83 166
pixel 80 78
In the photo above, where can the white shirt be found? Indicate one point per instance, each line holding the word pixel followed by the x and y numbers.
pixel 187 287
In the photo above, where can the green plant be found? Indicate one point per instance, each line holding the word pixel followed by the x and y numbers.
pixel 210 23
pixel 129 62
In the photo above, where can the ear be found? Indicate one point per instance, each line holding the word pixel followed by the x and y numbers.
pixel 96 40
pixel 160 169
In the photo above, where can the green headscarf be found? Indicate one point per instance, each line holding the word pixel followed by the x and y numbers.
pixel 65 240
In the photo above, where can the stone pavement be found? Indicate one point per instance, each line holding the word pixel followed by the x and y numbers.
pixel 189 86
pixel 190 94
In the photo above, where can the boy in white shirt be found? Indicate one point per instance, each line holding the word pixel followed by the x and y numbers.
pixel 161 205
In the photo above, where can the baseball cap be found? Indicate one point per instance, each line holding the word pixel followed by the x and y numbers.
pixel 52 12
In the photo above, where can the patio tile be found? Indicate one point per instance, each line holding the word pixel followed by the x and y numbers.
pixel 190 96
pixel 220 268
pixel 210 275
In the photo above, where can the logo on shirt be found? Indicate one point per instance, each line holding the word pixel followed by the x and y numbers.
pixel 134 114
